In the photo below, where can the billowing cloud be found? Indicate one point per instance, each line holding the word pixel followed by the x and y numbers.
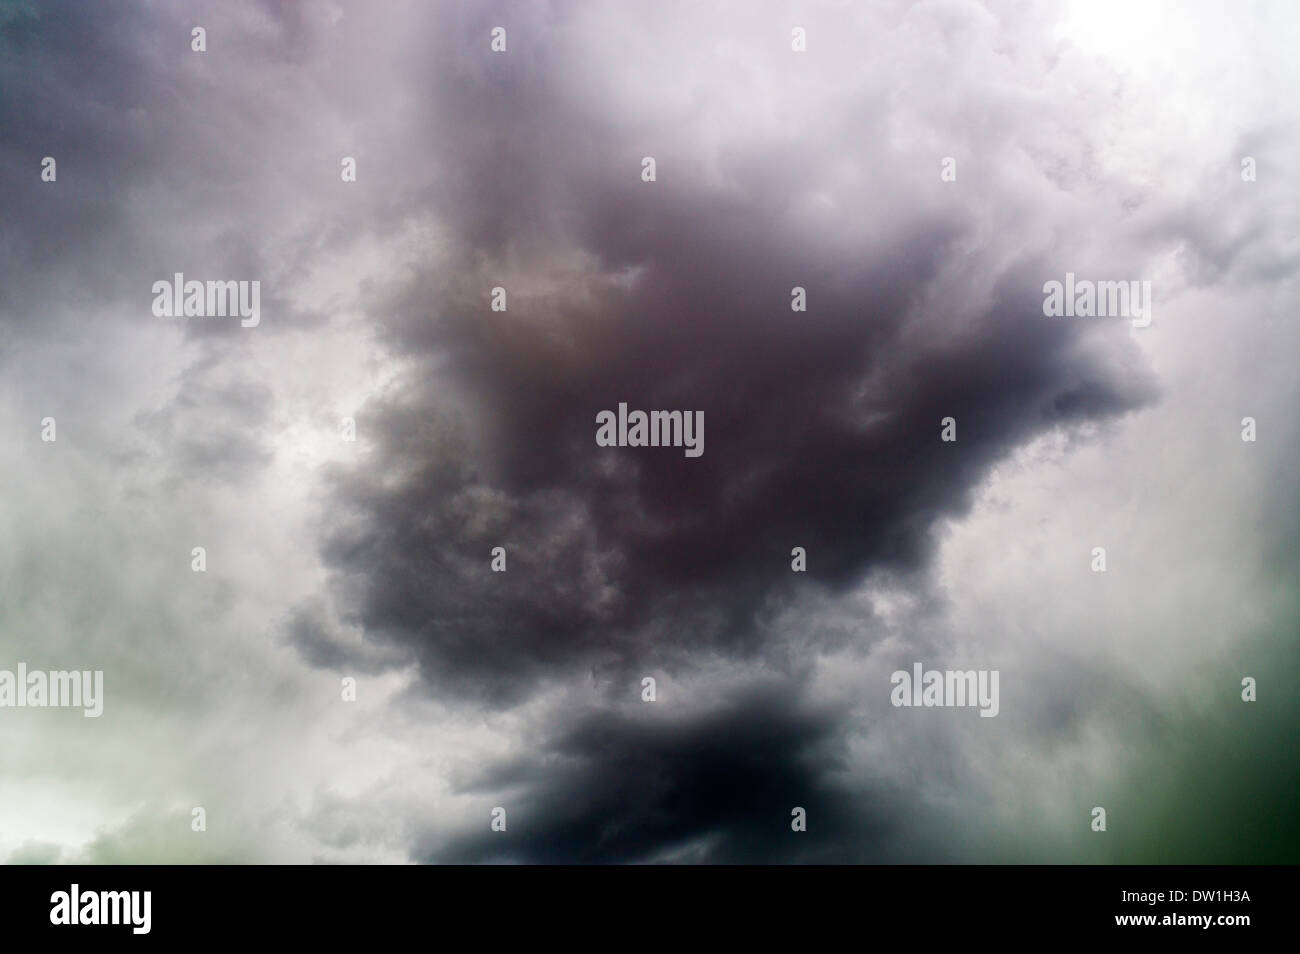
pixel 1073 151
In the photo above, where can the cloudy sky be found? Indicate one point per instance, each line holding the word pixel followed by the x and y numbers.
pixel 1102 139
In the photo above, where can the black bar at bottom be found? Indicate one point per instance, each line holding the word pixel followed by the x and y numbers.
pixel 598 906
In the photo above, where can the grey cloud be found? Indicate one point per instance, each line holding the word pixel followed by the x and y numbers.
pixel 822 429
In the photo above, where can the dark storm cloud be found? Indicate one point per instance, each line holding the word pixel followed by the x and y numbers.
pixel 607 547
pixel 821 429
pixel 717 788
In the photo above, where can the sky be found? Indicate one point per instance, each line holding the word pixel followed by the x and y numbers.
pixel 349 679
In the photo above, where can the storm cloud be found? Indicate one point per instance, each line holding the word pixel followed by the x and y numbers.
pixel 775 170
